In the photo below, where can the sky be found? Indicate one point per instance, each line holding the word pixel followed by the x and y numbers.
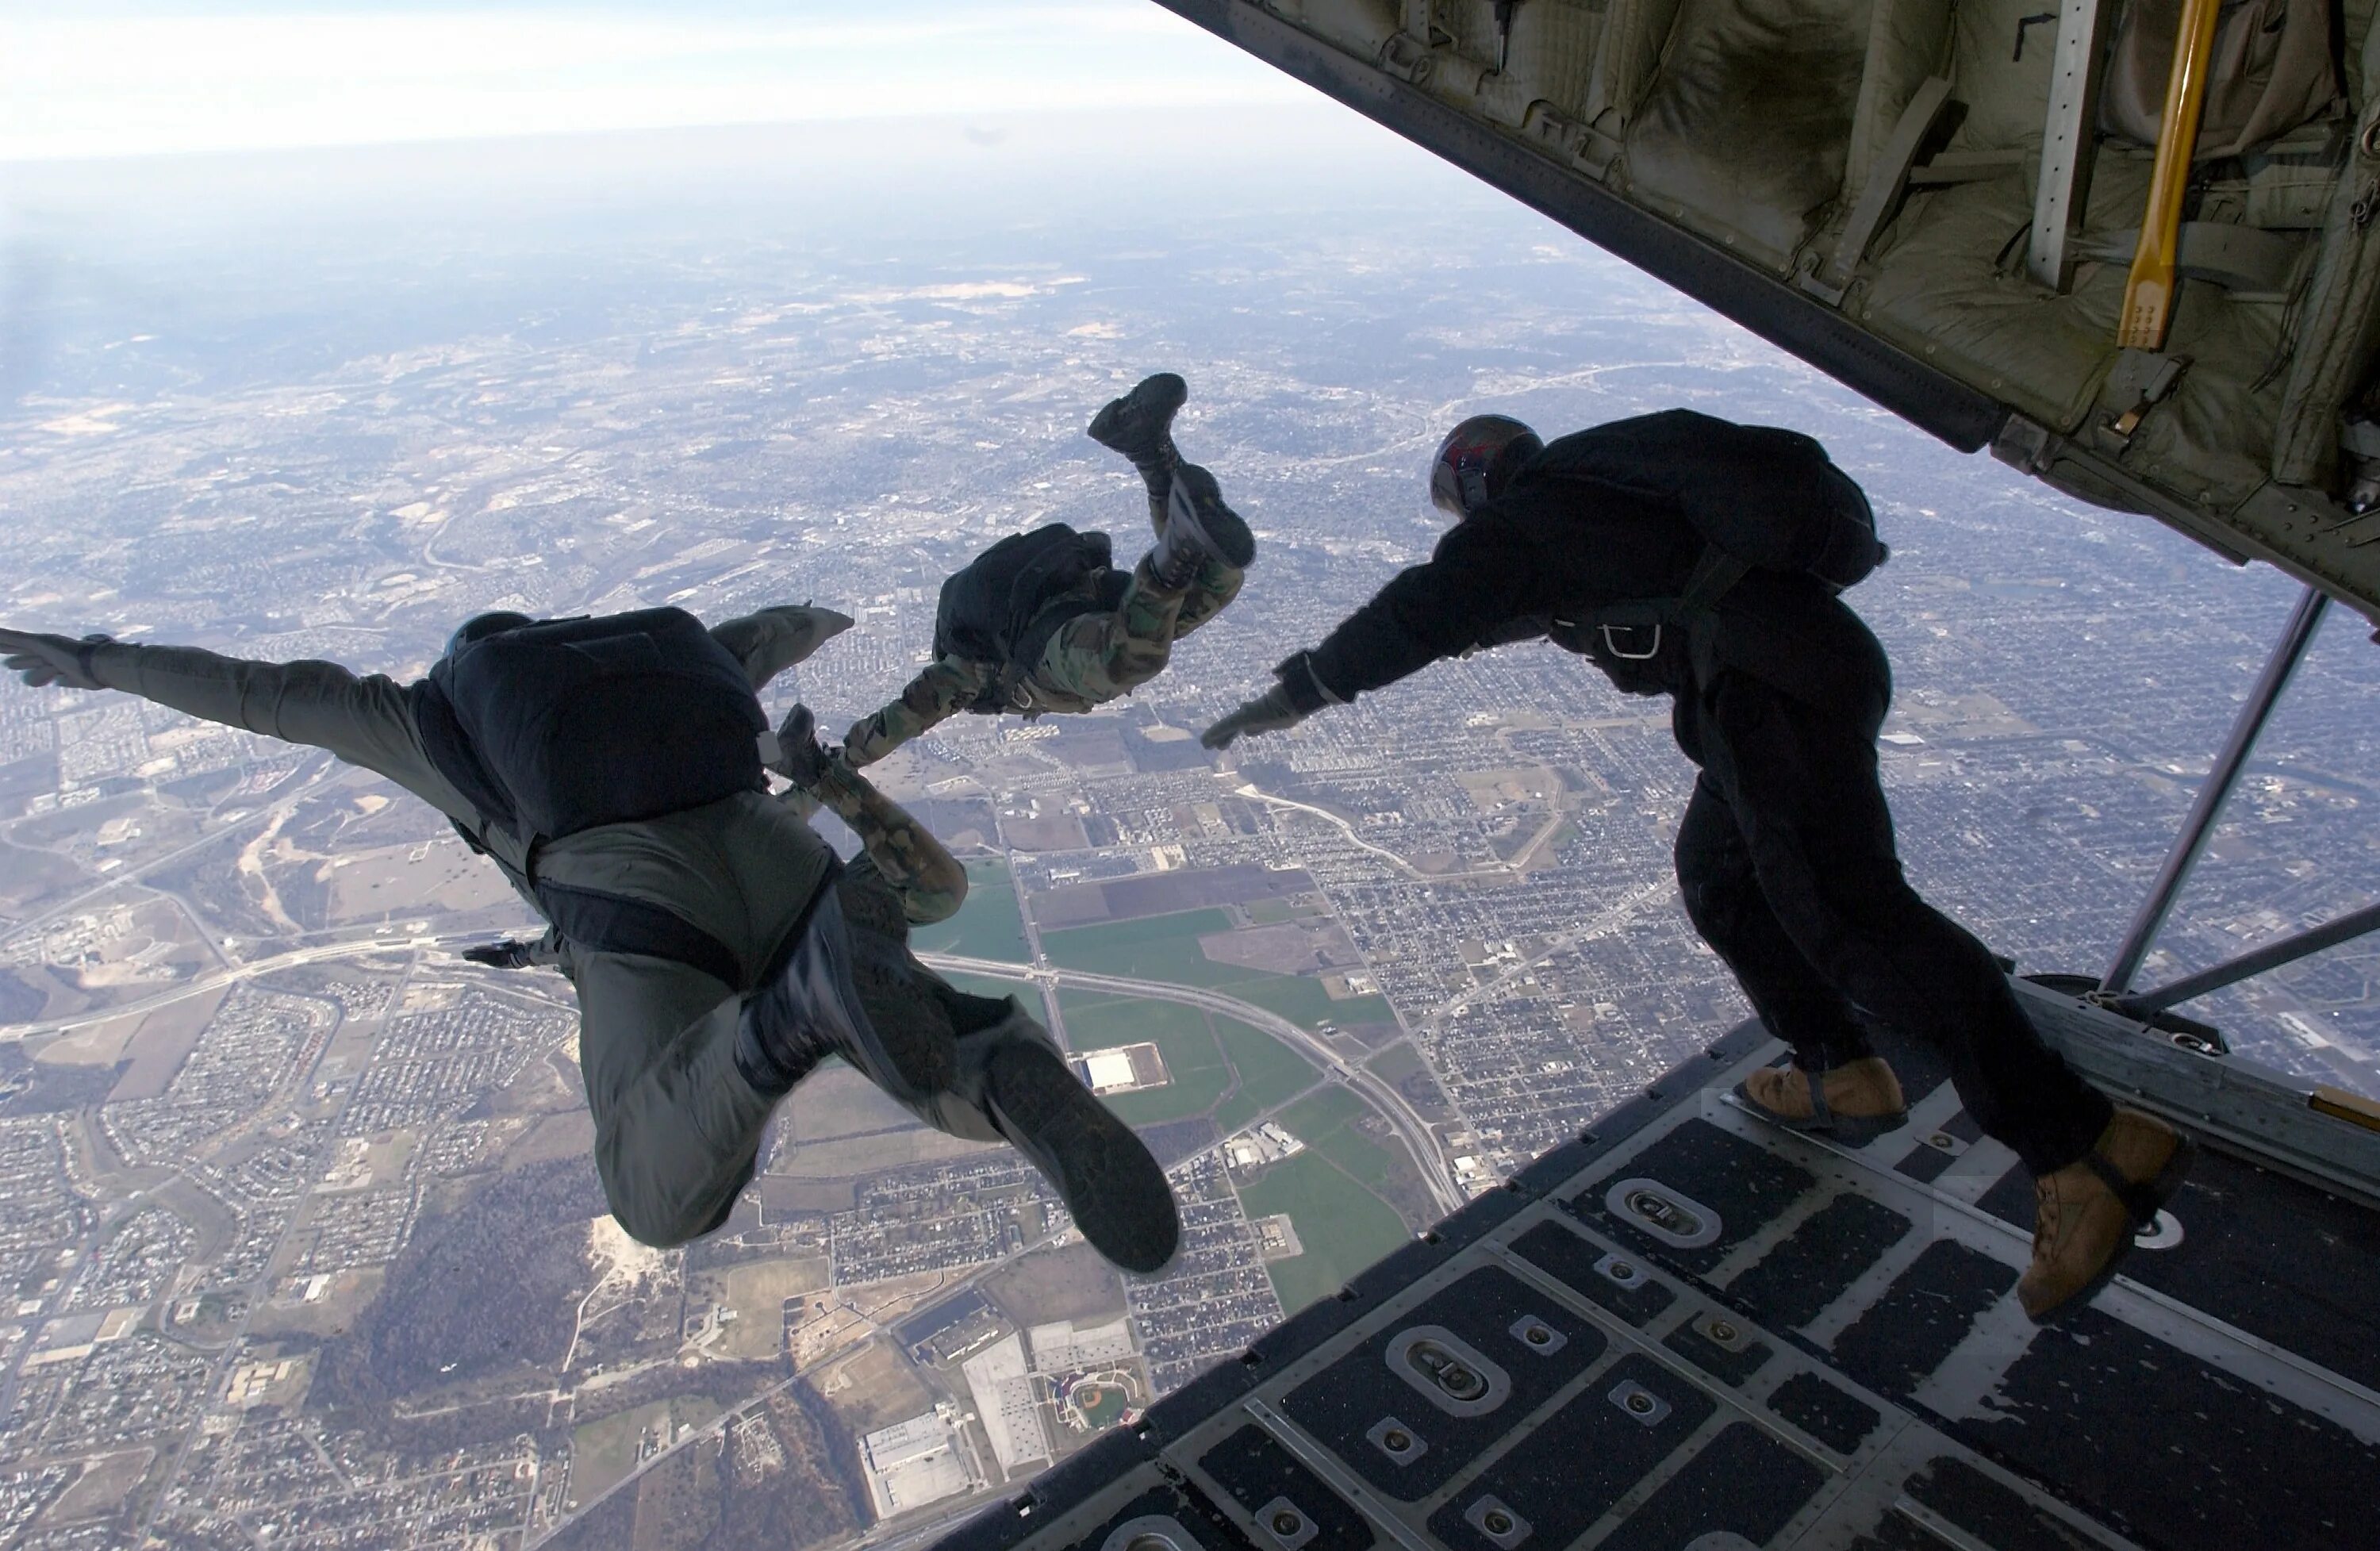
pixel 107 78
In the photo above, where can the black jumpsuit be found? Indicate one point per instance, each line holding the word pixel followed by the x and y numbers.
pixel 1786 856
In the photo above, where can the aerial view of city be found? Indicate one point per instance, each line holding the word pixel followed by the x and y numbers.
pixel 302 1244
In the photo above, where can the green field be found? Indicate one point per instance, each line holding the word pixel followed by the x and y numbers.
pixel 1193 1059
pixel 602 1453
pixel 1343 1226
pixel 1326 1124
pixel 1271 1072
pixel 1399 1064
pixel 1104 1407
pixel 989 926
pixel 1201 1052
pixel 1166 947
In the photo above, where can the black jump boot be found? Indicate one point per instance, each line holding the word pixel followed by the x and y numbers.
pixel 814 1009
pixel 1198 530
pixel 1140 426
pixel 1111 1185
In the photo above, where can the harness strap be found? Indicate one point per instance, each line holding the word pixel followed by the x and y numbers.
pixel 617 924
pixel 1821 1112
pixel 1714 574
pixel 1624 626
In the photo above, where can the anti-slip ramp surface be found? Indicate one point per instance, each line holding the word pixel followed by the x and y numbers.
pixel 1693 1331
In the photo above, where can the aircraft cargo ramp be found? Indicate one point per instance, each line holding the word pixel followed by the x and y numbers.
pixel 1690 1331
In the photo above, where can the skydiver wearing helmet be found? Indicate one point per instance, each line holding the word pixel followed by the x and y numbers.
pixel 612 769
pixel 1692 557
pixel 1041 621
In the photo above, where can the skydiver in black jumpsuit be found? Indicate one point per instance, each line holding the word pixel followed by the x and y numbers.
pixel 1786 855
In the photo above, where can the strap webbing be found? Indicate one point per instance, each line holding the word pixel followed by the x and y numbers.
pixel 2138 1198
pixel 617 924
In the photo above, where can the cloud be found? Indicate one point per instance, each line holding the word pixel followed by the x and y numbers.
pixel 78 84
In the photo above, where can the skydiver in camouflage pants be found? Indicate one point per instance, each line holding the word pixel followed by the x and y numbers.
pixel 1105 636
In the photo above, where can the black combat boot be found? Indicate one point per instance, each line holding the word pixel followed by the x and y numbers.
pixel 1199 529
pixel 1114 1187
pixel 1140 426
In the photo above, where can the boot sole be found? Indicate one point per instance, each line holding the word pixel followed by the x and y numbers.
pixel 1112 1186
pixel 2161 1190
pixel 1856 1131
pixel 1152 404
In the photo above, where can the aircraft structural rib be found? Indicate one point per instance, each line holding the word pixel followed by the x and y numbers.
pixel 1865 183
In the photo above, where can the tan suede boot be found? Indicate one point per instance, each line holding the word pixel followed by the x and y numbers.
pixel 1858 1101
pixel 2086 1213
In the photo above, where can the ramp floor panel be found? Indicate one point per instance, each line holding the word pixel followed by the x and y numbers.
pixel 1696 1331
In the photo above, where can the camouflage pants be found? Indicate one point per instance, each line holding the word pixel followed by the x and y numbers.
pixel 1098 657
pixel 1217 585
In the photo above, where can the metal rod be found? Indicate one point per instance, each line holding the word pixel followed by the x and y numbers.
pixel 2273 955
pixel 2287 652
pixel 2067 138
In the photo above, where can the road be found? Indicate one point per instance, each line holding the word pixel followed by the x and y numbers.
pixel 346 949
pixel 1419 1140
pixel 1428 1157
pixel 1604 925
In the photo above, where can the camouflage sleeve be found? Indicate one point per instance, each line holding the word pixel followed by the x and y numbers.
pixel 931 883
pixel 947 686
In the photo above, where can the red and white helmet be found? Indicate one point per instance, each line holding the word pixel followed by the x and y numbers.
pixel 1475 459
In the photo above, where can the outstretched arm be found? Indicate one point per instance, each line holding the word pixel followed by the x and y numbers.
pixel 366 721
pixel 931 883
pixel 1481 575
pixel 948 686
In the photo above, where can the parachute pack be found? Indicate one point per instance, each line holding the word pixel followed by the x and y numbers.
pixel 577 723
pixel 1762 495
pixel 562 725
pixel 998 607
pixel 1760 498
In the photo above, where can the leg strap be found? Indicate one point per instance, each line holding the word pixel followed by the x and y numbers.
pixel 2140 1198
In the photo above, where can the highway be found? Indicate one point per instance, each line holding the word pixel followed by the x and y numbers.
pixel 349 948
pixel 1429 1158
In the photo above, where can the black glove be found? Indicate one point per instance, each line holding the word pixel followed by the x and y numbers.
pixel 510 953
pixel 1298 696
pixel 45 659
pixel 1269 713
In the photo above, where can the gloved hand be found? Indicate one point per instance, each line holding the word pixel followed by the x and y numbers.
pixel 510 953
pixel 1269 713
pixel 775 639
pixel 50 659
pixel 800 758
pixel 1299 694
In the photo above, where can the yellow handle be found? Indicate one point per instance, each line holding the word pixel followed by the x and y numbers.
pixel 2148 291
